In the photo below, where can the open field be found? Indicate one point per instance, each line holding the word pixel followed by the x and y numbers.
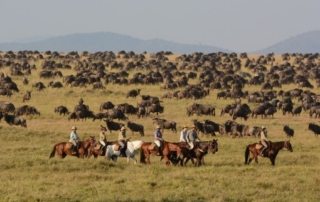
pixel 26 173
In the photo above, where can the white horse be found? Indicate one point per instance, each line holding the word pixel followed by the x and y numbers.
pixel 132 146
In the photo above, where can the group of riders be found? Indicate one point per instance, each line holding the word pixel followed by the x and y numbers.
pixel 189 136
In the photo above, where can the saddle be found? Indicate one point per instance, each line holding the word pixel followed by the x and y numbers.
pixel 259 145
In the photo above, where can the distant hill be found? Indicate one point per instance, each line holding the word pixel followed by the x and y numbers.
pixel 106 41
pixel 308 42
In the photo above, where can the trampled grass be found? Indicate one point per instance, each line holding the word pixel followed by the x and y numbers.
pixel 26 173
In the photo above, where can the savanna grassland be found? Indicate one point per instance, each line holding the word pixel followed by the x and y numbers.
pixel 27 174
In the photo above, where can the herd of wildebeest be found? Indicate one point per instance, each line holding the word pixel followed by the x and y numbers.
pixel 187 76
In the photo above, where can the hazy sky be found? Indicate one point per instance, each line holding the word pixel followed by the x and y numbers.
pixel 232 24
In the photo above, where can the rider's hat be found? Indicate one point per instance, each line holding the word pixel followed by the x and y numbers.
pixel 263 127
pixel 184 126
pixel 158 127
pixel 74 128
pixel 123 128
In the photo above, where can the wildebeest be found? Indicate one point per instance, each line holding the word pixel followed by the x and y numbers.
pixel 7 107
pixel 15 120
pixel 297 111
pixel 215 126
pixel 165 124
pixel 314 128
pixel 134 127
pixel 116 114
pixel 204 128
pixel 133 93
pixel 106 105
pixel 242 111
pixel 26 110
pixel 61 110
pixel 289 131
pixel 111 125
pixel 155 108
pixel 81 114
pixel 201 109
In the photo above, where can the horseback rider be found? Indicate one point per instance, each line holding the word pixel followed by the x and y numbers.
pixel 74 139
pixel 183 134
pixel 263 140
pixel 122 141
pixel 102 137
pixel 192 137
pixel 158 140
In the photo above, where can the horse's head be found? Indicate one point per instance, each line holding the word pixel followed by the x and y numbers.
pixel 288 146
pixel 213 147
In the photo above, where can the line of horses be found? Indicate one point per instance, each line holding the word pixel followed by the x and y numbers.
pixel 176 153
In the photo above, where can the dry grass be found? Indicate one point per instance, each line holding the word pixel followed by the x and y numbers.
pixel 26 173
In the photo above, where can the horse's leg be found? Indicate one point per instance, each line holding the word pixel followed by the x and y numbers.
pixel 167 161
pixel 147 154
pixel 272 159
pixel 256 157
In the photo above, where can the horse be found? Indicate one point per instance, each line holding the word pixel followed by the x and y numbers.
pixel 198 153
pixel 148 148
pixel 95 151
pixel 113 152
pixel 63 149
pixel 271 152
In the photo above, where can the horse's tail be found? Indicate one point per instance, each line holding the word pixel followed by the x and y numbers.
pixel 142 156
pixel 53 152
pixel 246 155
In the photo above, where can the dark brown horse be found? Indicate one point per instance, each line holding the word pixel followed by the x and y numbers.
pixel 271 152
pixel 148 148
pixel 198 153
pixel 63 149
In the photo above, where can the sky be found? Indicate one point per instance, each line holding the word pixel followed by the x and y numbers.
pixel 239 25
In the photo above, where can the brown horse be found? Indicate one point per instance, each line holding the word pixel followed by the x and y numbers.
pixel 63 149
pixel 198 153
pixel 148 148
pixel 271 152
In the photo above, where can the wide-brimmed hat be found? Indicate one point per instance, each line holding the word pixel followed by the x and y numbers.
pixel 74 128
pixel 184 126
pixel 263 127
pixel 158 127
pixel 123 128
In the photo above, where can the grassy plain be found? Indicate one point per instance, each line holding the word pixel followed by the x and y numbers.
pixel 26 173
